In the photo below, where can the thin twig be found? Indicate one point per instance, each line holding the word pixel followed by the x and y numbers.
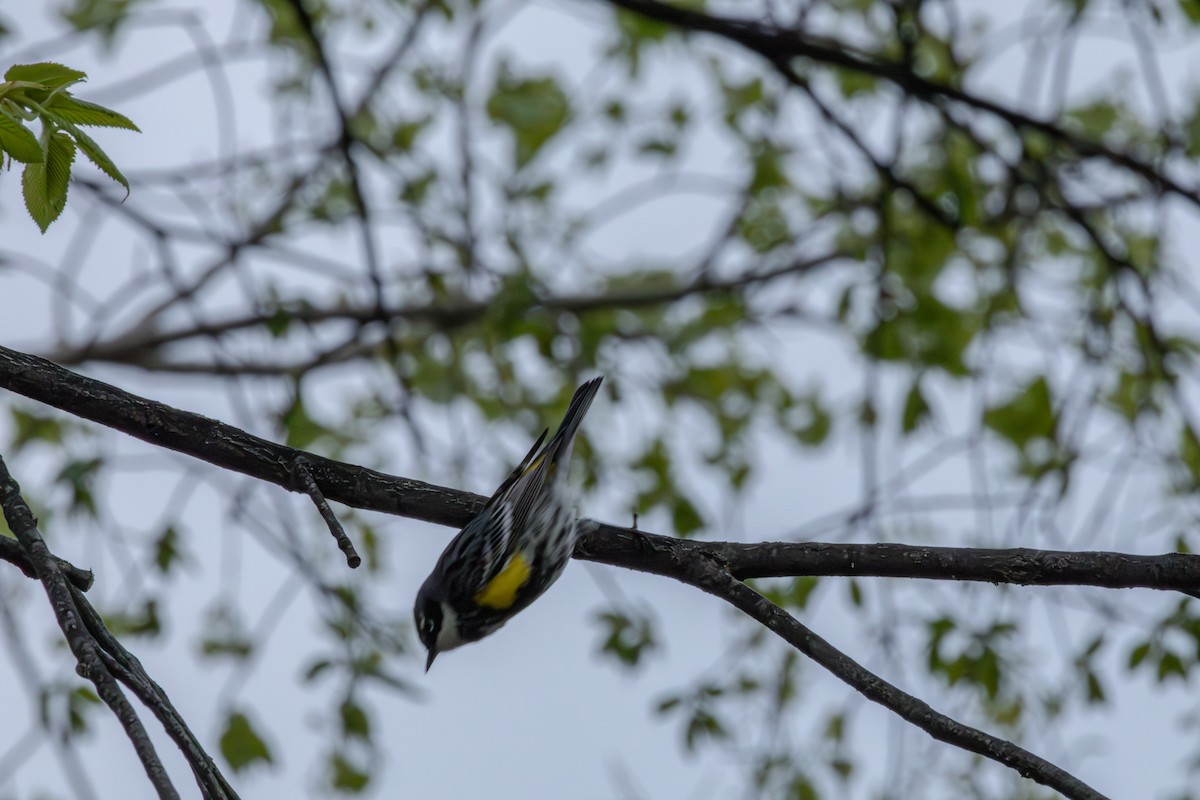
pixel 12 552
pixel 305 478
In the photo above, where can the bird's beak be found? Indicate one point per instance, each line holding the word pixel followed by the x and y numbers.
pixel 429 659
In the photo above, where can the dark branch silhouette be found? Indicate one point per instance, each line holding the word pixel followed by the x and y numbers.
pixel 104 662
pixel 716 567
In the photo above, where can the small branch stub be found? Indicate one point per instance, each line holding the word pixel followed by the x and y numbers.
pixel 309 487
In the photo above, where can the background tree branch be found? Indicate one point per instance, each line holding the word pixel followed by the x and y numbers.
pixel 716 567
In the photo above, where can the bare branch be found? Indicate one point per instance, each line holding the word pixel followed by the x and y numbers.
pixel 941 727
pixel 234 449
pixel 716 567
pixel 136 346
pixel 83 645
pixel 12 552
pixel 782 48
pixel 310 488
pixel 1020 566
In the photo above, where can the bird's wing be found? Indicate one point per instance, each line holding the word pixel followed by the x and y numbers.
pixel 513 476
pixel 529 489
pixel 481 549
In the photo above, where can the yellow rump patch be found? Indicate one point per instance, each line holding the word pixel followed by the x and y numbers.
pixel 501 591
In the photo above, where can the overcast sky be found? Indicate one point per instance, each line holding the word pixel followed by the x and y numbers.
pixel 531 711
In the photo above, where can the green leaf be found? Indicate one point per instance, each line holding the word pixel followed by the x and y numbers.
pixel 808 420
pixel 627 638
pixel 355 722
pixel 33 427
pixel 316 669
pixel 916 408
pixel 79 476
pixel 794 592
pixel 1139 654
pixel 347 777
pixel 835 728
pixel 739 98
pixel 81 112
pixel 103 16
pixel 47 73
pixel 657 146
pixel 685 518
pixel 668 704
pixel 854 82
pixel 856 595
pixel 404 136
pixel 18 141
pixel 763 226
pixel 801 788
pixel 167 550
pixel 1134 395
pixel 928 334
pixel 703 725
pixel 1171 665
pixel 225 635
pixel 44 185
pixel 137 621
pixel 90 149
pixel 1026 416
pixel 1094 119
pixel 79 702
pixel 533 109
pixel 241 746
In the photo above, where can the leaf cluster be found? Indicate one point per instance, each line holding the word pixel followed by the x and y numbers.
pixel 41 92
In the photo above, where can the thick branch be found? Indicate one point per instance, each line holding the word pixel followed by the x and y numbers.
pixel 715 567
pixel 1018 565
pixel 226 446
pixel 234 449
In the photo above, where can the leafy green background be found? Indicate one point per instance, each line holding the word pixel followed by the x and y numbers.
pixel 827 305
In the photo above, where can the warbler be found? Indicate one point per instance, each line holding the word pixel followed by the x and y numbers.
pixel 511 552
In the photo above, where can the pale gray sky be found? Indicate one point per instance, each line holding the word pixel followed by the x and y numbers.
pixel 530 711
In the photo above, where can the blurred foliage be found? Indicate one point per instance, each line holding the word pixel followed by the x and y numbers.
pixel 1015 285
pixel 241 745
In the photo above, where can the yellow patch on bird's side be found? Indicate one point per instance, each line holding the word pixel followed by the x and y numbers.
pixel 501 591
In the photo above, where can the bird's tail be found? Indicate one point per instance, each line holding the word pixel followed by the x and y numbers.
pixel 559 447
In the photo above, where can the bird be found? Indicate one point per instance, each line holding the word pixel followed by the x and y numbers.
pixel 511 551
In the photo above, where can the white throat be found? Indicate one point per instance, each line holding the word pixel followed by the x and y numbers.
pixel 448 637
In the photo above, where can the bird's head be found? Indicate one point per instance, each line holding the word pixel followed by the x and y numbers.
pixel 437 624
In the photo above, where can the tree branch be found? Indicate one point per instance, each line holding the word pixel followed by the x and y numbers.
pixel 12 552
pixel 83 646
pixel 133 347
pixel 781 48
pixel 718 582
pixel 715 567
pixel 1021 566
pixel 234 449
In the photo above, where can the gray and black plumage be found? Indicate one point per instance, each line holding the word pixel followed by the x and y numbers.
pixel 511 552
